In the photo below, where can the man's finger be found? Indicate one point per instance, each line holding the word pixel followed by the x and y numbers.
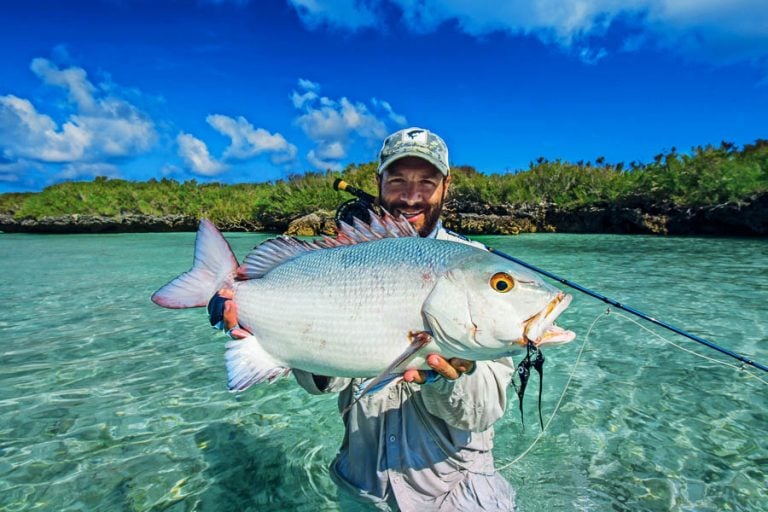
pixel 238 334
pixel 416 376
pixel 462 365
pixel 230 315
pixel 443 367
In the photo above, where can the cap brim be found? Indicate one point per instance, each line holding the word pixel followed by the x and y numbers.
pixel 438 165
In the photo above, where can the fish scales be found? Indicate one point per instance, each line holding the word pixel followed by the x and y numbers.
pixel 348 307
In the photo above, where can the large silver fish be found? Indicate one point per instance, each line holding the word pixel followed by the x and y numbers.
pixel 375 301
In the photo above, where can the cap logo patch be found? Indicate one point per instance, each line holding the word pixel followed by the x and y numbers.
pixel 417 135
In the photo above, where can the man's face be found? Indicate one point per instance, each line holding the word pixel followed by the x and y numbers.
pixel 415 189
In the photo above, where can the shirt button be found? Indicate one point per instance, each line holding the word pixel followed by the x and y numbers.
pixel 392 438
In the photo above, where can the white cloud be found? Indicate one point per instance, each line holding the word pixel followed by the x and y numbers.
pixel 8 177
pixel 309 85
pixel 74 80
pixel 718 31
pixel 11 172
pixel 101 127
pixel 25 133
pixel 319 163
pixel 707 30
pixel 88 170
pixel 391 114
pixel 118 130
pixel 249 142
pixel 335 125
pixel 195 155
pixel 310 93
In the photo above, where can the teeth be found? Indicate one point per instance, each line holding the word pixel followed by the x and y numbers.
pixel 538 326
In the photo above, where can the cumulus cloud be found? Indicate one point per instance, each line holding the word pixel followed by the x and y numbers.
pixel 246 143
pixel 196 156
pixel 26 133
pixel 101 126
pixel 707 30
pixel 334 125
pixel 249 142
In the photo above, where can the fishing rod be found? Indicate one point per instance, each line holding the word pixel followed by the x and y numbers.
pixel 340 184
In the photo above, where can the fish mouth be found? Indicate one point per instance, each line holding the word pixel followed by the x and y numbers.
pixel 540 329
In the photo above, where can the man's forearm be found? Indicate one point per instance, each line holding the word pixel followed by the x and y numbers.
pixel 473 402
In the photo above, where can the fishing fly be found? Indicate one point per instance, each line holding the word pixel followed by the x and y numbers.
pixel 534 358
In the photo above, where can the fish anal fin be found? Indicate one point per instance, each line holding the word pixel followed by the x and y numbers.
pixel 419 340
pixel 248 363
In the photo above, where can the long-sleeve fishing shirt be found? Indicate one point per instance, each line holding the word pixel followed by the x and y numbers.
pixel 423 447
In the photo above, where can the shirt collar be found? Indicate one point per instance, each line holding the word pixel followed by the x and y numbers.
pixel 434 232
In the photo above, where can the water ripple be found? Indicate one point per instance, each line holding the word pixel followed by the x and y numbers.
pixel 110 403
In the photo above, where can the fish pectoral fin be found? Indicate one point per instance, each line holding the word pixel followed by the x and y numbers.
pixel 419 340
pixel 248 363
pixel 376 384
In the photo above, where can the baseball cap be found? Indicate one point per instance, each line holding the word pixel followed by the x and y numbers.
pixel 416 142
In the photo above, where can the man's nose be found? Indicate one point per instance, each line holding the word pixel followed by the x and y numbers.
pixel 411 194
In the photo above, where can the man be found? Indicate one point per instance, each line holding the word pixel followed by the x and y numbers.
pixel 425 443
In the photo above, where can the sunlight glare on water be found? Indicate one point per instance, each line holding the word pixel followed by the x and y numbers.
pixel 108 402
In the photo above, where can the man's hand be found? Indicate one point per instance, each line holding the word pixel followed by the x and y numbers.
pixel 449 369
pixel 230 316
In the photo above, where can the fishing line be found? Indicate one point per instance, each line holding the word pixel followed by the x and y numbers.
pixel 562 395
pixel 601 316
pixel 741 368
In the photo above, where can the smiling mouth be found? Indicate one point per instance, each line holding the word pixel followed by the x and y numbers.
pixel 411 216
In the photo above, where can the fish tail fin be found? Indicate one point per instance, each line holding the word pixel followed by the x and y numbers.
pixel 248 363
pixel 214 268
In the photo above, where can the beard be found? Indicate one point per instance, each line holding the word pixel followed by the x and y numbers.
pixel 431 214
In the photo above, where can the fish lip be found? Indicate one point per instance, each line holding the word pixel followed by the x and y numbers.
pixel 540 328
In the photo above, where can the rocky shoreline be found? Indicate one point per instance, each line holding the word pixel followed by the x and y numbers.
pixel 745 218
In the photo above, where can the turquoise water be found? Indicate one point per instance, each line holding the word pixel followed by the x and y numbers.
pixel 108 402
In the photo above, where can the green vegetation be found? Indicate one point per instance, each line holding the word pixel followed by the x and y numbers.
pixel 709 175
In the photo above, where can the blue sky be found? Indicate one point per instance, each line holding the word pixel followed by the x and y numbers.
pixel 240 90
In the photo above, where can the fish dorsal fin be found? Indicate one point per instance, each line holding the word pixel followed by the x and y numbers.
pixel 276 251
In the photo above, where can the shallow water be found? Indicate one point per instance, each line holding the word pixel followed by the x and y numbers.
pixel 108 402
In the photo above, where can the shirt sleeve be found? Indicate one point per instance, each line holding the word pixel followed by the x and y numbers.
pixel 318 385
pixel 472 402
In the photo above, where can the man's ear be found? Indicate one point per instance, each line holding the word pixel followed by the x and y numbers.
pixel 446 185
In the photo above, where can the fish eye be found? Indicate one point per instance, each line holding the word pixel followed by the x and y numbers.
pixel 502 282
